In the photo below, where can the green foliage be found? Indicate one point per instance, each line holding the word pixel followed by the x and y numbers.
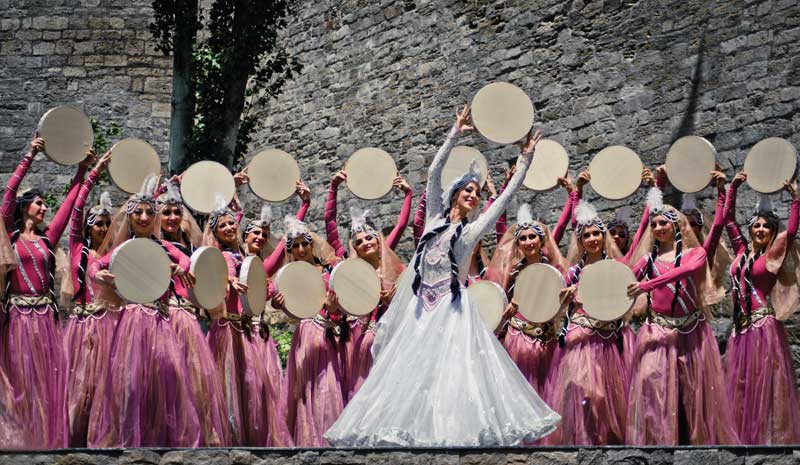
pixel 103 134
pixel 283 340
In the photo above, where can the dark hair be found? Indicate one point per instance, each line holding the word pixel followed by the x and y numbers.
pixel 651 264
pixel 23 201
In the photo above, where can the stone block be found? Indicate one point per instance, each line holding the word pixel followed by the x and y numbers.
pixel 50 22
pixel 43 48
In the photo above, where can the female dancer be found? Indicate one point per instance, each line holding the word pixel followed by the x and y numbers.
pixel 761 383
pixel 367 243
pixel 32 354
pixel 433 338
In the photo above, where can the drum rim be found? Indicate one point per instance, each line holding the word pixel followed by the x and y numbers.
pixel 554 271
pixel 295 168
pixel 385 155
pixel 158 247
pixel 621 267
pixel 332 284
pixel 193 269
pixel 278 281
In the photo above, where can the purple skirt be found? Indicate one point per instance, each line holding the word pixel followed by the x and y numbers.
pixel 266 413
pixel 533 357
pixel 357 363
pixel 228 346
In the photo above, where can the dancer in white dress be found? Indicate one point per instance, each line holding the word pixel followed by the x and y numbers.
pixel 440 377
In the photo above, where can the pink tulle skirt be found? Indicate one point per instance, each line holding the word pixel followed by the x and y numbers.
pixel 761 385
pixel 587 387
pixel 356 362
pixel 533 357
pixel 35 366
pixel 266 414
pixel 145 399
pixel 230 351
pixel 315 384
pixel 677 393
pixel 628 351
pixel 88 342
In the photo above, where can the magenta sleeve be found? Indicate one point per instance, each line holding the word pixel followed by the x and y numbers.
pixel 419 218
pixel 566 214
pixel 10 195
pixel 402 221
pixel 273 262
pixel 715 233
pixel 56 227
pixel 331 229
pixel 693 260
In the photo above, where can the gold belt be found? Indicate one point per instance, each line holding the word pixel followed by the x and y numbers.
pixel 29 300
pixel 242 323
pixel 84 310
pixel 187 306
pixel 676 322
pixel 326 324
pixel 588 322
pixel 541 331
pixel 745 320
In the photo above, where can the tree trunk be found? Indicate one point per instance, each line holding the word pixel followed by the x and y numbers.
pixel 183 94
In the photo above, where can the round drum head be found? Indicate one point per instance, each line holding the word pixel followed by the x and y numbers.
pixel 603 289
pixel 490 300
pixel 550 162
pixel 273 175
pixel 202 182
pixel 253 275
pixel 211 272
pixel 141 270
pixel 769 163
pixel 502 112
pixel 67 134
pixel 458 164
pixel 132 160
pixel 689 163
pixel 303 288
pixel 370 173
pixel 536 292
pixel 616 172
pixel 357 286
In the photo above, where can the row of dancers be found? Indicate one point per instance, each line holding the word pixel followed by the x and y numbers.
pixel 163 374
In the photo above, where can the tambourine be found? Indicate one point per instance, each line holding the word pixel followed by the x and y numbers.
pixel 253 275
pixel 537 292
pixel 357 286
pixel 141 270
pixel 769 163
pixel 458 164
pixel 603 289
pixel 502 112
pixel 550 162
pixel 490 300
pixel 211 277
pixel 67 134
pixel 273 175
pixel 370 172
pixel 303 289
pixel 616 172
pixel 132 160
pixel 689 163
pixel 202 182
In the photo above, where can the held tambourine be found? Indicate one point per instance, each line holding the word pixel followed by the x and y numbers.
pixel 253 275
pixel 769 163
pixel 302 287
pixel 201 183
pixel 537 292
pixel 603 289
pixel 357 286
pixel 67 134
pixel 490 300
pixel 616 172
pixel 211 273
pixel 550 162
pixel 141 270
pixel 689 163
pixel 502 113
pixel 370 172
pixel 132 160
pixel 458 164
pixel 273 175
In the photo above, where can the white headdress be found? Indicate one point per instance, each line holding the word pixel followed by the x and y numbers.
pixel 473 175
pixel 361 221
pixel 294 229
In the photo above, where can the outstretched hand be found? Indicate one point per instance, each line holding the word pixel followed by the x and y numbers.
pixel 464 119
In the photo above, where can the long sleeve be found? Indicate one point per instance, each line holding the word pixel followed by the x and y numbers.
pixel 273 262
pixel 402 221
pixel 76 221
pixel 434 186
pixel 794 220
pixel 715 233
pixel 738 241
pixel 566 214
pixel 692 261
pixel 303 210
pixel 639 233
pixel 101 263
pixel 10 194
pixel 60 221
pixel 501 226
pixel 239 217
pixel 176 256
pixel 419 218
pixel 331 228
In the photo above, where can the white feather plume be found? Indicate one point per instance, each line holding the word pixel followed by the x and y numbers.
pixel 689 202
pixel 585 212
pixel 149 186
pixel 623 215
pixel 105 201
pixel 266 214
pixel 764 203
pixel 655 199
pixel 524 215
pixel 358 217
pixel 294 227
pixel 219 203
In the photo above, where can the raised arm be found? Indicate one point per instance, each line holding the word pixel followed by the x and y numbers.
pixel 331 228
pixel 76 220
pixel 419 218
pixel 660 181
pixel 714 234
pixel 405 213
pixel 781 245
pixel 60 221
pixel 566 214
pixel 273 262
pixel 434 186
pixel 10 194
pixel 738 241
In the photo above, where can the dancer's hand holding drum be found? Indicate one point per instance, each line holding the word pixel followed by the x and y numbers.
pixel 464 120
pixel 303 191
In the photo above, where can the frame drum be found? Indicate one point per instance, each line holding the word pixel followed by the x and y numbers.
pixel 370 172
pixel 202 182
pixel 356 285
pixel 253 275
pixel 458 163
pixel 303 288
pixel 67 134
pixel 616 172
pixel 502 112
pixel 211 272
pixel 689 163
pixel 132 160
pixel 603 289
pixel 490 300
pixel 537 292
pixel 769 163
pixel 550 161
pixel 273 175
pixel 141 270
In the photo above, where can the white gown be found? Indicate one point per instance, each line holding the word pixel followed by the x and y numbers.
pixel 439 376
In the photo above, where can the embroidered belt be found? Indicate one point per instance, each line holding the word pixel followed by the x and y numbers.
pixel 676 322
pixel 29 300
pixel 239 322
pixel 187 306
pixel 160 308
pixel 542 331
pixel 258 325
pixel 591 323
pixel 327 324
pixel 85 310
pixel 745 320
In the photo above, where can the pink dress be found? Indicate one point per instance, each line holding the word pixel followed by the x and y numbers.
pixel 32 354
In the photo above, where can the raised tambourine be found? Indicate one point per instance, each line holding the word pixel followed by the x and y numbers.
pixel 202 182
pixel 502 112
pixel 273 175
pixel 458 164
pixel 490 300
pixel 211 274
pixel 132 160
pixel 536 292
pixel 689 163
pixel 603 289
pixel 141 270
pixel 550 162
pixel 616 172
pixel 253 275
pixel 67 134
pixel 769 163
pixel 303 289
pixel 357 286
pixel 370 172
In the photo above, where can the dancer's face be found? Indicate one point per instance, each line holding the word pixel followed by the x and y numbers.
pixel 529 242
pixel 467 198
pixel 171 216
pixel 142 220
pixel 302 250
pixel 256 240
pixel 592 239
pixel 99 229
pixel 761 233
pixel 226 230
pixel 620 236
pixel 662 228
pixel 366 245
pixel 36 210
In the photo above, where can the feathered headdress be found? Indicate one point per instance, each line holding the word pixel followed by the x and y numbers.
pixel 690 209
pixel 361 221
pixel 473 175
pixel 220 209
pixel 263 221
pixel 145 194
pixel 764 210
pixel 655 202
pixel 102 208
pixel 294 229
pixel 525 221
pixel 622 217
pixel 586 215
pixel 171 197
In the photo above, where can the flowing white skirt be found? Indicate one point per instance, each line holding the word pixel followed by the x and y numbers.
pixel 440 378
